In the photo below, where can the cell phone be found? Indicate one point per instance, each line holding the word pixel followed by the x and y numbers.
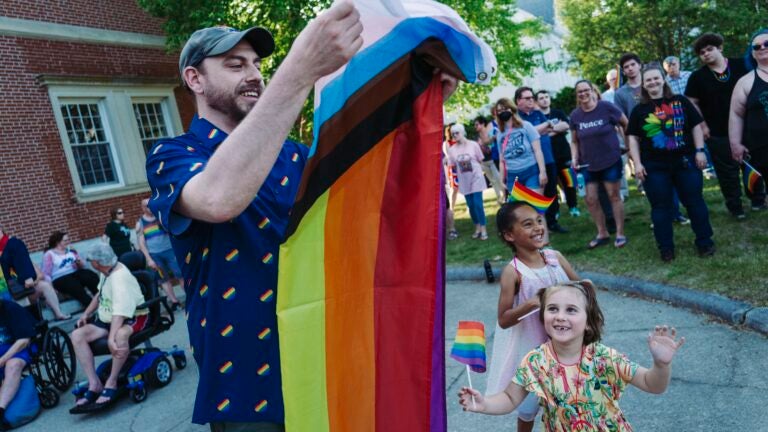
pixel 554 121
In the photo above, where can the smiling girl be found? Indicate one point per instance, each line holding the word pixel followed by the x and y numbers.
pixel 578 379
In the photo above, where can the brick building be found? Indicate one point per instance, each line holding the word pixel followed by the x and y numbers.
pixel 85 89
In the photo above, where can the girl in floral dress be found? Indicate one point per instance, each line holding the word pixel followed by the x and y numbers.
pixel 578 380
pixel 518 329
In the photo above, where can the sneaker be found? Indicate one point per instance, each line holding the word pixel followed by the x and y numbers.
pixel 453 235
pixel 706 251
pixel 575 212
pixel 682 220
pixel 558 229
pixel 759 207
pixel 667 255
pixel 739 214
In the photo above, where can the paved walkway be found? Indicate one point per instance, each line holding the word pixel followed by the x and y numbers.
pixel 719 381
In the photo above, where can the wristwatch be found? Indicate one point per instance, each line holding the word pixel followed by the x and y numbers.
pixel 700 150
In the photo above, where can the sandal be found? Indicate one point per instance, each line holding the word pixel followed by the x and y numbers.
pixel 597 242
pixel 483 236
pixel 89 397
pixel 107 393
pixel 620 241
pixel 453 235
pixel 476 235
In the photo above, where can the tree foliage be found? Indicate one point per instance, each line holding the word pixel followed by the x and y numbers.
pixel 602 30
pixel 490 19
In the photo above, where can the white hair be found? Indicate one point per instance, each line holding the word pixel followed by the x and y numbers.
pixel 458 127
pixel 103 254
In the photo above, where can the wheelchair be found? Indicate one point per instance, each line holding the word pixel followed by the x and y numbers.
pixel 148 365
pixel 53 359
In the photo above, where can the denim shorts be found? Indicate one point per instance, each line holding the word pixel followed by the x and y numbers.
pixel 611 174
pixel 166 265
pixel 528 177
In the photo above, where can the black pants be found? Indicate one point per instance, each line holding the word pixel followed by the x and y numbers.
pixel 550 190
pixel 570 192
pixel 727 171
pixel 75 284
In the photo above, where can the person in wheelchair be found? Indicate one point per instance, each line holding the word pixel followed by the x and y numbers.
pixel 116 318
pixel 17 327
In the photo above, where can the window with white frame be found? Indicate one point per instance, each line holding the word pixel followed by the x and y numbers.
pixel 107 129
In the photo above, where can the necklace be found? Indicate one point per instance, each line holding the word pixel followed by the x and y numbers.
pixel 725 75
pixel 565 377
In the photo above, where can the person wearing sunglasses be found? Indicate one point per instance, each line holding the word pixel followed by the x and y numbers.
pixel 748 120
pixel 710 88
pixel 118 233
pixel 467 157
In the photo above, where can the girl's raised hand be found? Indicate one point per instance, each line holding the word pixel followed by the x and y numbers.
pixel 466 395
pixel 663 344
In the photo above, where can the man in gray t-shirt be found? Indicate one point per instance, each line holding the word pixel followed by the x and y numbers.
pixel 628 95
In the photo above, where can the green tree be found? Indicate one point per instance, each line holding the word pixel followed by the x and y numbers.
pixel 602 30
pixel 490 19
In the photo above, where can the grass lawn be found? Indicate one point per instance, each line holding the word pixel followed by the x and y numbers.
pixel 738 270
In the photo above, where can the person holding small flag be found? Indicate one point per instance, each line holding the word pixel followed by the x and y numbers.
pixel 748 122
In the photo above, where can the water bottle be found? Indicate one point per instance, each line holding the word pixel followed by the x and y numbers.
pixel 580 185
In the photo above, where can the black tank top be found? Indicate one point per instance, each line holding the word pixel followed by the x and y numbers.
pixel 756 118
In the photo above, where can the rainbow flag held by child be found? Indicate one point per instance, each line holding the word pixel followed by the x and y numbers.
pixel 751 178
pixel 568 177
pixel 469 345
pixel 521 193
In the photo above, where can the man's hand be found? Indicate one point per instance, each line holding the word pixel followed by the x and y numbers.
pixel 328 42
pixel 118 351
pixel 450 84
pixel 151 264
pixel 739 152
pixel 29 283
pixel 83 320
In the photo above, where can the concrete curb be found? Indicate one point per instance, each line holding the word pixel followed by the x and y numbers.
pixel 732 311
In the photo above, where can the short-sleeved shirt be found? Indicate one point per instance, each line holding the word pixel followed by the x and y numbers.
pixel 516 148
pixel 561 149
pixel 664 128
pixel 230 277
pixel 536 118
pixel 678 84
pixel 466 158
pixel 596 133
pixel 119 294
pixel 714 95
pixel 582 396
pixel 15 323
pixel 119 237
pixel 627 97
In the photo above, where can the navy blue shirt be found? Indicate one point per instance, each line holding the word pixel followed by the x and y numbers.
pixel 230 277
pixel 536 118
pixel 15 323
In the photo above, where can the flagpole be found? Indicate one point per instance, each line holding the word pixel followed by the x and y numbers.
pixel 469 378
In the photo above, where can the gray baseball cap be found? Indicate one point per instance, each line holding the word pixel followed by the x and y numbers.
pixel 213 41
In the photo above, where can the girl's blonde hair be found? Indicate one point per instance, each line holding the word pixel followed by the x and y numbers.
pixel 595 320
pixel 507 103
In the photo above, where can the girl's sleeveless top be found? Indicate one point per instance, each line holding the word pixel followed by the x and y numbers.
pixel 510 345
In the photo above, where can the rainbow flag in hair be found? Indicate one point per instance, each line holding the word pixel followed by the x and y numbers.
pixel 469 345
pixel 537 200
pixel 360 293
pixel 568 176
pixel 751 178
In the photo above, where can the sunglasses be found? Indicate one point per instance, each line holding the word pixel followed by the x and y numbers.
pixel 758 47
pixel 120 212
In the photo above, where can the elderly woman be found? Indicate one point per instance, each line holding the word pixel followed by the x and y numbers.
pixel 667 147
pixel 595 146
pixel 117 318
pixel 748 120
pixel 466 156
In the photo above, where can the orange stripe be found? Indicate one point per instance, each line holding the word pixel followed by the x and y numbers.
pixel 354 206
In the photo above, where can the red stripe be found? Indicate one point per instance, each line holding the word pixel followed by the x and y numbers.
pixel 404 284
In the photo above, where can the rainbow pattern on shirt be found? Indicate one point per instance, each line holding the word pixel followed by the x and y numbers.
pixel 157 149
pixel 267 296
pixel 229 294
pixel 213 133
pixel 223 405
pixel 263 370
pixel 232 255
pixel 284 181
pixel 261 406
pixel 227 331
pixel 203 290
pixel 538 201
pixel 267 258
pixel 160 167
pixel 264 222
pixel 295 157
pixel 190 149
pixel 195 166
pixel 226 367
pixel 205 254
pixel 203 322
pixel 188 258
pixel 265 334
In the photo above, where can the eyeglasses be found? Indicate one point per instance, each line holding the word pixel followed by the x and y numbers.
pixel 758 47
pixel 527 98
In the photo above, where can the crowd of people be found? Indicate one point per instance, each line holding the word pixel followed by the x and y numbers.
pixel 662 126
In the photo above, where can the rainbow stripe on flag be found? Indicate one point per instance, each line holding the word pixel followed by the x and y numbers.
pixel 568 176
pixel 751 178
pixel 361 272
pixel 538 201
pixel 469 345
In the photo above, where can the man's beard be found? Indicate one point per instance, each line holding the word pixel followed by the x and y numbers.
pixel 226 103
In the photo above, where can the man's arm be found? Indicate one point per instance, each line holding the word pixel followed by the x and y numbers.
pixel 17 346
pixel 236 171
pixel 143 245
pixel 704 127
pixel 736 118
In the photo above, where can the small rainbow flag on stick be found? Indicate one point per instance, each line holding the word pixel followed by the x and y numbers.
pixel 751 178
pixel 469 345
pixel 568 176
pixel 537 200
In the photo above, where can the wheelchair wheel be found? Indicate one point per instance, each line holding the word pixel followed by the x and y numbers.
pixel 59 358
pixel 180 362
pixel 49 398
pixel 160 373
pixel 139 394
